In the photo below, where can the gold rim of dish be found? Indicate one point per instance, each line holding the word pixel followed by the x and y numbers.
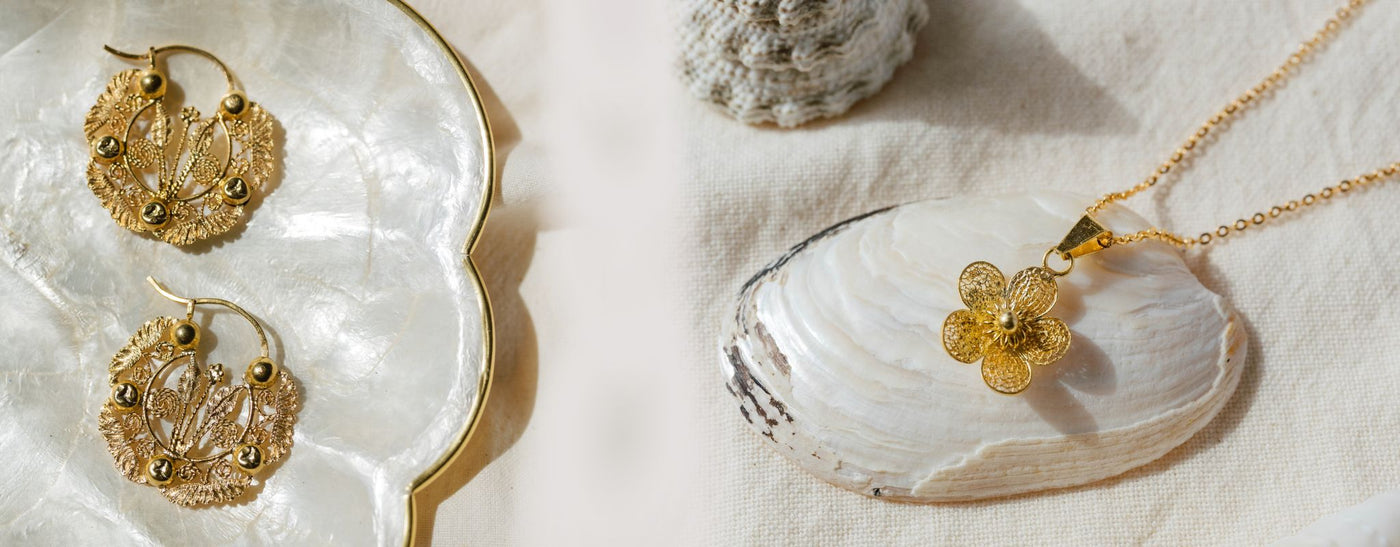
pixel 489 340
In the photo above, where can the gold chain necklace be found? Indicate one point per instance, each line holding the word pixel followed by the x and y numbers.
pixel 1004 324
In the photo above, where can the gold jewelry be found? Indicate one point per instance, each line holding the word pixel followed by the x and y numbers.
pixel 168 180
pixel 1005 325
pixel 203 441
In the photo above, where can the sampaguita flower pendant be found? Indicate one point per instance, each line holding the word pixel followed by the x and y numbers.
pixel 1005 324
pixel 204 440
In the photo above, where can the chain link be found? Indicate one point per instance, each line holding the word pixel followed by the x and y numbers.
pixel 1245 100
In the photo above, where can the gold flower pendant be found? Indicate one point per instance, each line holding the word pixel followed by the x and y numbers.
pixel 1004 324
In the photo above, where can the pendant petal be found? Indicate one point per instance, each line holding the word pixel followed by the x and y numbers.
pixel 981 286
pixel 1032 292
pixel 965 335
pixel 1047 340
pixel 1005 372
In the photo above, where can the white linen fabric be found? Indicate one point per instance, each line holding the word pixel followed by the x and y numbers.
pixel 1001 96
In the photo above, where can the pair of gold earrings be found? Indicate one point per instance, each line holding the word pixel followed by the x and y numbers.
pixel 170 421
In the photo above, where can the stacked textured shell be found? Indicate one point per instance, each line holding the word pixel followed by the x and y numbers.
pixel 792 61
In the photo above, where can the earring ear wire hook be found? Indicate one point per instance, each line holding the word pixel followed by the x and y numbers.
pixel 188 302
pixel 150 56
pixel 191 302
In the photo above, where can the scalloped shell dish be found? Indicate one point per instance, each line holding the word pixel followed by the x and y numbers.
pixel 354 259
pixel 835 357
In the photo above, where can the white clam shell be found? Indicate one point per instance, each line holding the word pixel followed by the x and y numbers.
pixel 792 61
pixel 1372 523
pixel 835 354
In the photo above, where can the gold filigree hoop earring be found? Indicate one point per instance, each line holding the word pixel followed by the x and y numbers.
pixel 182 182
pixel 204 440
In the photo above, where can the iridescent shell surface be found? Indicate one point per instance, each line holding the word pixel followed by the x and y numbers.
pixel 355 263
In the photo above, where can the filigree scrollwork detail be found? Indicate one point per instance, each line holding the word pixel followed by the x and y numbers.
pixel 194 417
pixel 181 180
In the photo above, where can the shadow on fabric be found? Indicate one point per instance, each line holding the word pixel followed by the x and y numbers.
pixel 986 63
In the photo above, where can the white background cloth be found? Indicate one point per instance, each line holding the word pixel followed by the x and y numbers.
pixel 631 214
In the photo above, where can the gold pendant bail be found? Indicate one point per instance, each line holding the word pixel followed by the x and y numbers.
pixel 1087 237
